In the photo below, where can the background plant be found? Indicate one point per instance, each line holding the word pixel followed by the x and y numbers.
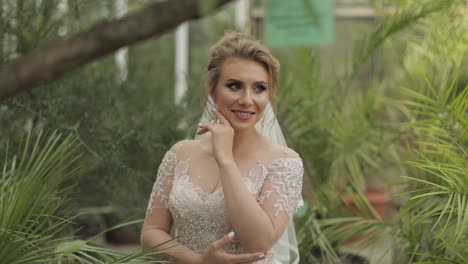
pixel 349 121
pixel 355 129
pixel 34 205
pixel 435 102
pixel 124 128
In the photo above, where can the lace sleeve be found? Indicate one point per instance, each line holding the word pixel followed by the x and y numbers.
pixel 163 185
pixel 283 185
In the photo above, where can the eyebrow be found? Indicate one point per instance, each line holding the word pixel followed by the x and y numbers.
pixel 235 80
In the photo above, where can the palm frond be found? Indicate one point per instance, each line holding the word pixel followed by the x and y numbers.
pixel 403 17
pixel 33 207
pixel 31 195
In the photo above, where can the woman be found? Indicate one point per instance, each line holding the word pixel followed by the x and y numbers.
pixel 231 193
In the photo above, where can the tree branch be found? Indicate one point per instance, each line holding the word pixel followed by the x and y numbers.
pixel 52 60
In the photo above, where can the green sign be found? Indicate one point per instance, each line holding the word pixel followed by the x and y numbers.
pixel 299 22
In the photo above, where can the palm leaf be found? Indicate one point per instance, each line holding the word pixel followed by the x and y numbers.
pixel 32 202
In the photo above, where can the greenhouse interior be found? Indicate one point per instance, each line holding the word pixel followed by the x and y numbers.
pixel 372 95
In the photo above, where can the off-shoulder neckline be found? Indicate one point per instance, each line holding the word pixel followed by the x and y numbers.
pixel 269 164
pixel 268 167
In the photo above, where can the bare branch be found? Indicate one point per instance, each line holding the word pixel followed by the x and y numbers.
pixel 52 60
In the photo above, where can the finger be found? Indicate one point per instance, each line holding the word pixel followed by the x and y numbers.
pixel 246 258
pixel 203 128
pixel 223 241
pixel 221 118
pixel 202 131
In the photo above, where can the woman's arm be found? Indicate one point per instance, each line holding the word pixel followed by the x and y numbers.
pixel 258 224
pixel 151 237
pixel 158 219
pixel 158 222
pixel 250 222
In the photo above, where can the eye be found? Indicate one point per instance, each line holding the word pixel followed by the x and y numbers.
pixel 260 88
pixel 233 86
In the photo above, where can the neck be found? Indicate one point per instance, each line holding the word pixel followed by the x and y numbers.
pixel 245 141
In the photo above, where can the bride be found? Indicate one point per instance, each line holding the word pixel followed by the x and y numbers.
pixel 229 195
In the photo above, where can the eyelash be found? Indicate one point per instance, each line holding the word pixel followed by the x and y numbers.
pixel 262 88
pixel 231 86
pixel 236 86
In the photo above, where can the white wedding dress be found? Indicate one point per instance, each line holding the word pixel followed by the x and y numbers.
pixel 200 217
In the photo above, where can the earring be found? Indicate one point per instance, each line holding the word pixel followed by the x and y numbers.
pixel 214 118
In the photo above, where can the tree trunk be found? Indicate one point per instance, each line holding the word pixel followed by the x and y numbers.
pixel 52 60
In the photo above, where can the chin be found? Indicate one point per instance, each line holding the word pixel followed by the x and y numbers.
pixel 236 125
pixel 243 126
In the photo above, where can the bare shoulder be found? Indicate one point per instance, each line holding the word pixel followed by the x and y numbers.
pixel 278 151
pixel 281 157
pixel 190 148
pixel 183 146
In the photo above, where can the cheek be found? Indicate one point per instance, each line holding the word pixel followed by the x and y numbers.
pixel 223 97
pixel 263 101
pixel 218 95
pixel 262 104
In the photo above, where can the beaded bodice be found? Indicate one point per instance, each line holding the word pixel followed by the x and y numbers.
pixel 200 218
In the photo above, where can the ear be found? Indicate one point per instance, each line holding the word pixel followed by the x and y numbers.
pixel 212 94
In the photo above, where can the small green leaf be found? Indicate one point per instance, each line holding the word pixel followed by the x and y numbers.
pixel 70 247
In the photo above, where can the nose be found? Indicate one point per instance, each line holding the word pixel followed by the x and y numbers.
pixel 246 98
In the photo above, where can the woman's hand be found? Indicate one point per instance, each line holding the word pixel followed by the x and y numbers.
pixel 215 254
pixel 223 136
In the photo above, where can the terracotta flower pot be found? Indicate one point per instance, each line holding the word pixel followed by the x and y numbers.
pixel 379 199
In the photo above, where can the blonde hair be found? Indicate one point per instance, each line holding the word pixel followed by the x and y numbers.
pixel 240 45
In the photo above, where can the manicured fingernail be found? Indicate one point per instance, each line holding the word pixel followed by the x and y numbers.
pixel 231 235
pixel 261 255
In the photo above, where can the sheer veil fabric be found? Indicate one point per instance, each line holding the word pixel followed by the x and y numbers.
pixel 286 250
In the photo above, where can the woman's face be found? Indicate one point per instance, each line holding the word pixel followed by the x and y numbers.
pixel 242 92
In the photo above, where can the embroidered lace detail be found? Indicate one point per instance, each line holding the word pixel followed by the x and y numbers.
pixel 163 183
pixel 184 180
pixel 285 176
pixel 200 217
pixel 256 178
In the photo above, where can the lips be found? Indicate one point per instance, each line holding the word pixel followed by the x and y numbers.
pixel 243 115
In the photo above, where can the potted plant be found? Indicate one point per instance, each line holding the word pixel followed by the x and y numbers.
pixel 339 133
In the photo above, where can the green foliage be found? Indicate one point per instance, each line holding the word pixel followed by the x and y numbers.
pixel 433 218
pixel 206 6
pixel 34 205
pixel 351 132
pixel 437 189
pixel 406 13
pixel 32 195
pixel 125 128
pixel 347 127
